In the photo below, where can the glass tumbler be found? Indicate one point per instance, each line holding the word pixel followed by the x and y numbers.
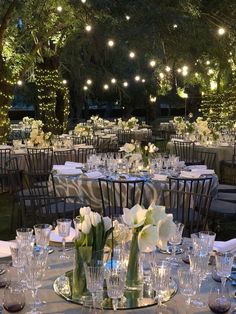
pixel 14 297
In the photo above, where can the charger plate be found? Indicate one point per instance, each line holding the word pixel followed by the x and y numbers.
pixel 132 299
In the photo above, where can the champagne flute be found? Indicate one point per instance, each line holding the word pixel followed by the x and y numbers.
pixel 64 225
pixel 175 240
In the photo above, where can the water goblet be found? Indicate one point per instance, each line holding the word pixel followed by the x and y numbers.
pixel 115 279
pixel 64 225
pixel 24 234
pixel 186 284
pixel 94 273
pixel 224 263
pixel 200 244
pixel 219 299
pixel 42 234
pixel 209 236
pixel 175 240
pixel 14 297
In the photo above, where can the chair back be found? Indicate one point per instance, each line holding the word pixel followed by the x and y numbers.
pixel 5 155
pixel 117 194
pixel 61 156
pixel 82 154
pixel 185 151
pixel 208 158
pixel 125 136
pixel 192 209
pixel 39 160
pixel 41 184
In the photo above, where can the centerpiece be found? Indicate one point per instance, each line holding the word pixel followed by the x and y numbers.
pixel 83 130
pixel 39 138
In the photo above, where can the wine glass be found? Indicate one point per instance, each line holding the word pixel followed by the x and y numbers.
pixel 42 234
pixel 14 297
pixel 224 263
pixel 24 233
pixel 200 244
pixel 64 225
pixel 219 299
pixel 175 240
pixel 198 267
pixel 34 270
pixel 115 279
pixel 186 284
pixel 161 283
pixel 94 273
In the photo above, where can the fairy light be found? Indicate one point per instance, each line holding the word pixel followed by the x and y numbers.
pixel 59 8
pixel 210 71
pixel 106 86
pixel 196 74
pixel 127 17
pixel 137 78
pixel 85 88
pixel 161 75
pixel 89 82
pixel 179 70
pixel 185 70
pixel 110 43
pixel 113 80
pixel 167 68
pixel 152 98
pixel 221 31
pixel 213 85
pixel 143 80
pixel 132 54
pixel 88 28
pixel 152 63
pixel 208 62
pixel 64 82
pixel 83 1
pixel 125 84
pixel 175 26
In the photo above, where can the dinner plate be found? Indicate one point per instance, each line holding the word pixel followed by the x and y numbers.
pixel 5 249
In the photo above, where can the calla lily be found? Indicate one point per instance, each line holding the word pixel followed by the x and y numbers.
pixel 135 216
pixel 165 229
pixel 95 218
pixel 147 239
pixel 84 211
pixel 155 213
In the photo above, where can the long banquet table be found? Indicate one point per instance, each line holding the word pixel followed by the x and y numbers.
pixel 222 153
pixel 55 304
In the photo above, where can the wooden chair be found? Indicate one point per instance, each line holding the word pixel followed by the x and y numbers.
pixel 39 160
pixel 192 209
pixel 117 194
pixel 61 156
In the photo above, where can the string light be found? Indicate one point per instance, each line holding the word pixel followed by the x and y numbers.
pixel 161 75
pixel 221 31
pixel 125 84
pixel 89 82
pixel 213 85
pixel 210 71
pixel 106 86
pixel 88 28
pixel 132 54
pixel 179 70
pixel 185 70
pixel 59 8
pixel 143 80
pixel 152 63
pixel 196 74
pixel 85 88
pixel 83 1
pixel 64 82
pixel 167 68
pixel 127 17
pixel 19 83
pixel 113 81
pixel 111 43
pixel 175 26
pixel 152 98
pixel 208 62
pixel 137 78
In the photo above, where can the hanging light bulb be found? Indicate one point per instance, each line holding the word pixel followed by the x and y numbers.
pixel 113 81
pixel 111 43
pixel 89 82
pixel 106 86
pixel 83 1
pixel 59 8
pixel 152 63
pixel 127 17
pixel 64 82
pixel 168 68
pixel 221 31
pixel 132 54
pixel 88 28
pixel 19 83
pixel 85 87
pixel 143 80
pixel 125 84
pixel 137 78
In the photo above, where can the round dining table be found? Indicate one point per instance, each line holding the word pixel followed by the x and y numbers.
pixel 56 304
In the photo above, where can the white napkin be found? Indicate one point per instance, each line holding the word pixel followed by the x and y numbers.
pixel 177 140
pixel 54 237
pixel 66 171
pixel 159 177
pixel 203 171
pixel 224 144
pixel 82 146
pixel 5 249
pixel 193 167
pixel 189 174
pixel 223 246
pixel 73 164
pixel 94 175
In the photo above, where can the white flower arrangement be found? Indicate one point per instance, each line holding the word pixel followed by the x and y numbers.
pixel 128 125
pixel 37 136
pixel 155 227
pixel 83 130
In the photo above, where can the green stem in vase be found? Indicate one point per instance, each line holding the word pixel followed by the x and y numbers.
pixel 133 264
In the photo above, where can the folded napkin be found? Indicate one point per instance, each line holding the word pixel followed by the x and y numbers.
pixel 5 249
pixel 73 164
pixel 177 140
pixel 66 171
pixel 159 177
pixel 224 246
pixel 54 237
pixel 224 144
pixel 203 171
pixel 190 174
pixel 94 175
pixel 82 146
pixel 197 167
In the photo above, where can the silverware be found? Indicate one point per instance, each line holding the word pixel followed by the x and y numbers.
pixel 2 271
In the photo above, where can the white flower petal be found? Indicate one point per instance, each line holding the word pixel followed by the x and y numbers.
pixel 147 238
pixel 107 223
pixel 85 211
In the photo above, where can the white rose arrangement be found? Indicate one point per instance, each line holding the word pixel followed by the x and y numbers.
pixel 83 130
pixel 37 136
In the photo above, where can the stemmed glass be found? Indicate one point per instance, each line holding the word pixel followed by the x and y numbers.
pixel 224 263
pixel 115 279
pixel 94 273
pixel 64 225
pixel 161 282
pixel 209 236
pixel 175 240
pixel 35 267
pixel 198 267
pixel 42 235
pixel 186 284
